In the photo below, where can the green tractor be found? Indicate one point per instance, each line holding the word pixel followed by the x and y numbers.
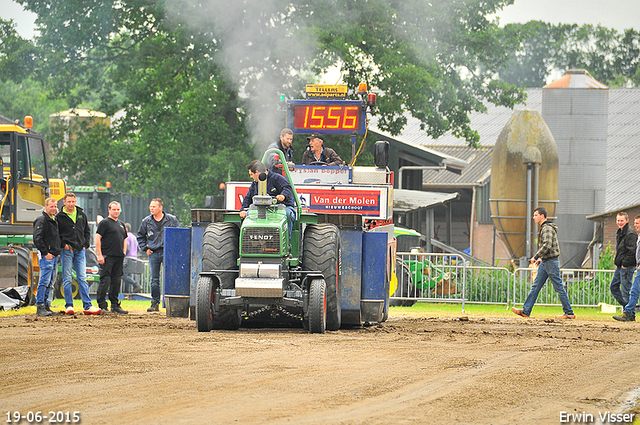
pixel 253 268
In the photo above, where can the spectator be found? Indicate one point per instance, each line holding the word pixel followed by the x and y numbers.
pixel 548 267
pixel 151 241
pixel 75 235
pixel 130 283
pixel 111 246
pixel 317 153
pixel 46 238
pixel 625 259
pixel 629 311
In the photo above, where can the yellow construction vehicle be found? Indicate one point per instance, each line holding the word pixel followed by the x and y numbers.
pixel 24 186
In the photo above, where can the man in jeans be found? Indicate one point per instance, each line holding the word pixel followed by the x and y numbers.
pixel 76 238
pixel 629 311
pixel 151 241
pixel 548 267
pixel 625 259
pixel 46 238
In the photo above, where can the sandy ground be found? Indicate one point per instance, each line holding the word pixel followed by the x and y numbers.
pixel 149 368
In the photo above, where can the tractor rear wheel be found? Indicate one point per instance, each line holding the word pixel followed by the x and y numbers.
pixel 220 252
pixel 317 306
pixel 321 253
pixel 204 304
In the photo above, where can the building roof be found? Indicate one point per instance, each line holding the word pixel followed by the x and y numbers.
pixel 488 125
pixel 623 145
pixel 80 112
pixel 408 200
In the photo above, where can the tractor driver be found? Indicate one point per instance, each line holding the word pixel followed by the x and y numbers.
pixel 277 186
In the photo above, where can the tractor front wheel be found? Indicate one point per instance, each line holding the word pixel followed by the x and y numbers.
pixel 204 304
pixel 317 306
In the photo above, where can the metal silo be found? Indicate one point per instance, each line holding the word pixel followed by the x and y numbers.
pixel 524 174
pixel 576 108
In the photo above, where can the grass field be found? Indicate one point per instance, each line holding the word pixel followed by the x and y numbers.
pixel 58 304
pixel 495 310
pixel 419 309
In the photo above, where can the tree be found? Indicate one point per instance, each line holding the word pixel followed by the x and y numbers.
pixel 436 60
pixel 179 129
pixel 196 83
pixel 611 57
pixel 16 54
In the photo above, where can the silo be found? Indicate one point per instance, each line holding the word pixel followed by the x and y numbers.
pixel 524 158
pixel 575 108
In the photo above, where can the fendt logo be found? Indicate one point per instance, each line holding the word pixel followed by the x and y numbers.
pixel 261 237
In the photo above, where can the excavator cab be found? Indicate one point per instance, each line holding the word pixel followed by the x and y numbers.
pixel 24 184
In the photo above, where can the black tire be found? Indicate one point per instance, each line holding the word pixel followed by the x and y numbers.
pixel 322 253
pixel 403 275
pixel 317 306
pixel 220 252
pixel 204 304
pixel 25 273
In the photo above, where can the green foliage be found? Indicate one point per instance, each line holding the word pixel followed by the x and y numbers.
pixel 28 98
pixel 16 54
pixel 434 60
pixel 610 57
pixel 92 156
pixel 606 259
pixel 196 84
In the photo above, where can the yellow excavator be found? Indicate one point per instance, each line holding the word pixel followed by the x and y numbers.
pixel 24 186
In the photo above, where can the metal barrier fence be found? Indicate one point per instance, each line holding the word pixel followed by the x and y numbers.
pixel 143 279
pixel 585 287
pixel 431 277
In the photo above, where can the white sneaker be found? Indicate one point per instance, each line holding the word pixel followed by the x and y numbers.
pixel 93 310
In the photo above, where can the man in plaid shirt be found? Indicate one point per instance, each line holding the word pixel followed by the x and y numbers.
pixel 548 267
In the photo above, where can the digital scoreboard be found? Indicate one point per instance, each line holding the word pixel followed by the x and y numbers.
pixel 327 116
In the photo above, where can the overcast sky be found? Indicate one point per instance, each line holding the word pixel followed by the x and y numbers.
pixel 618 14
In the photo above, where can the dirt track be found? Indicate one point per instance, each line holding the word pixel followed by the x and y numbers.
pixel 147 368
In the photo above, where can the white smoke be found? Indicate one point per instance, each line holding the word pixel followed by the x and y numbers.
pixel 261 50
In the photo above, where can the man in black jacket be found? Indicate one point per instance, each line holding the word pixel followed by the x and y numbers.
pixel 47 239
pixel 625 259
pixel 316 153
pixel 76 238
pixel 277 187
pixel 284 144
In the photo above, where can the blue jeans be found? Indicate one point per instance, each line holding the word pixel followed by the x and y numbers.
pixel 634 294
pixel 291 217
pixel 48 270
pixel 155 262
pixel 549 269
pixel 77 260
pixel 621 284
